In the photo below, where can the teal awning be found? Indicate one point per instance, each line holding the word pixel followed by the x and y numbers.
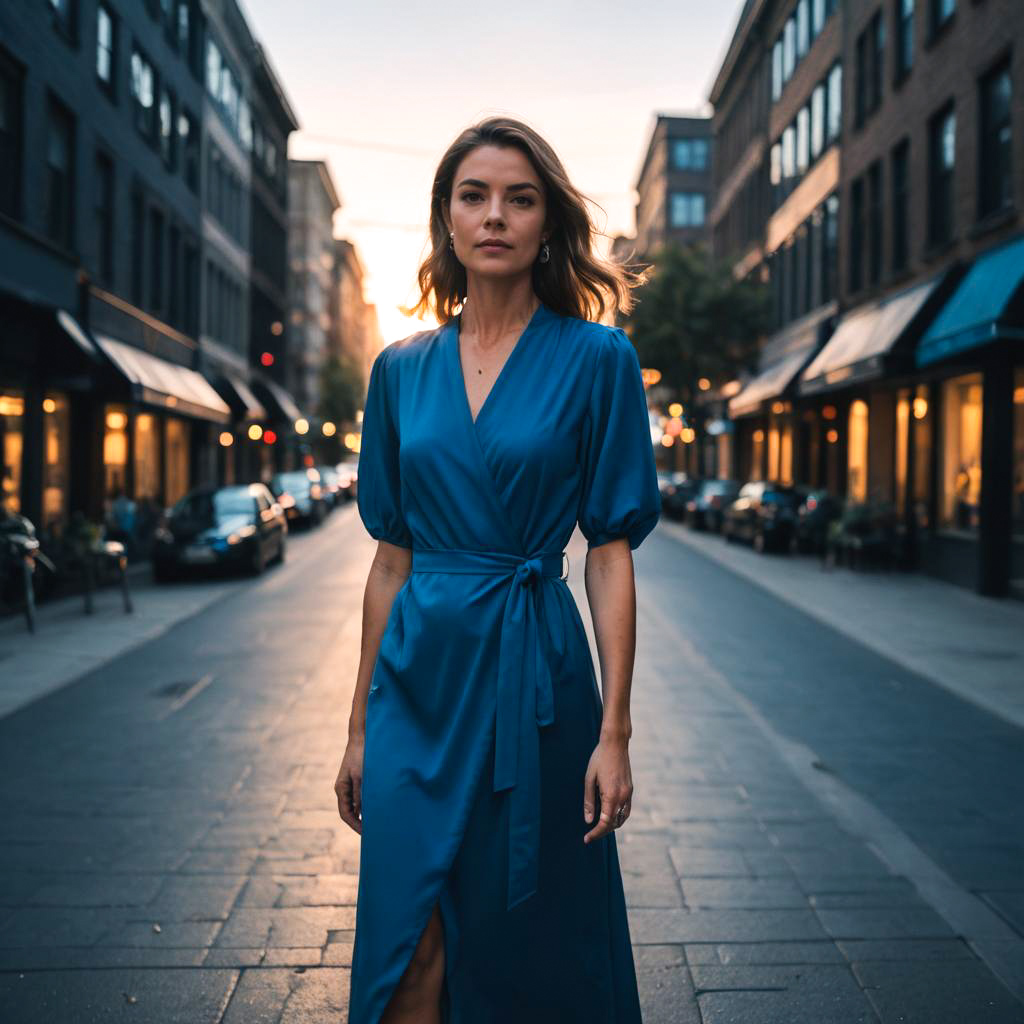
pixel 981 308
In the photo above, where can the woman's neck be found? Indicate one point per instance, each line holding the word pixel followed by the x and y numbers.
pixel 496 308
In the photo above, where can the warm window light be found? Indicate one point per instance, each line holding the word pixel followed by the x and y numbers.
pixel 704 384
pixel 675 409
pixel 11 405
pixel 351 440
pixel 758 436
pixel 832 436
pixel 302 426
pixel 116 421
pixel 227 439
pixel 329 429
pixel 687 435
pixel 650 377
pixel 269 437
pixel 667 440
pixel 255 432
pixel 267 358
pixel 778 407
pixel 1018 396
pixel 49 405
pixel 828 412
pixel 921 405
pixel 277 328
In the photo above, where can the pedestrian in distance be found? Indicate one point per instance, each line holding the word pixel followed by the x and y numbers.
pixel 485 772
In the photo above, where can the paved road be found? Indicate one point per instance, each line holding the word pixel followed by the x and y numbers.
pixel 809 818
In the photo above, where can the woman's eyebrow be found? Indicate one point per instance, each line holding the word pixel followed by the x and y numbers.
pixel 509 188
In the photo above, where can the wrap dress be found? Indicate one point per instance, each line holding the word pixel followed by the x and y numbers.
pixel 483 709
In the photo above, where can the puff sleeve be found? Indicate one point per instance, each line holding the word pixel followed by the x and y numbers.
pixel 379 491
pixel 620 495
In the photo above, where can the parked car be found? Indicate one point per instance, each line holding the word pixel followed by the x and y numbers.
pixel 301 495
pixel 330 481
pixel 348 475
pixel 676 490
pixel 704 510
pixel 763 513
pixel 818 509
pixel 234 527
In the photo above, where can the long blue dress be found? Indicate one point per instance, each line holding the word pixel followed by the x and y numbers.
pixel 484 708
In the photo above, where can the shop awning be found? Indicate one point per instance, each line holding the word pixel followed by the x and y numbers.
pixel 857 350
pixel 239 396
pixel 280 404
pixel 987 305
pixel 768 384
pixel 73 330
pixel 167 385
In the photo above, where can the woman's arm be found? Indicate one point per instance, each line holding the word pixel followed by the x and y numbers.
pixel 390 568
pixel 611 592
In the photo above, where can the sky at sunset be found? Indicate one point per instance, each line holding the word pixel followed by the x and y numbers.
pixel 381 89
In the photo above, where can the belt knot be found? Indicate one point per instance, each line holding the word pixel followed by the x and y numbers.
pixel 529 570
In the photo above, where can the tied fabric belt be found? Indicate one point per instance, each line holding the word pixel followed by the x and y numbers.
pixel 525 694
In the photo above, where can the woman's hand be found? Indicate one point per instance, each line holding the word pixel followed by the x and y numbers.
pixel 609 771
pixel 349 784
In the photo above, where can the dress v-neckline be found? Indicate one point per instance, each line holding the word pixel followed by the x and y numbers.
pixel 460 377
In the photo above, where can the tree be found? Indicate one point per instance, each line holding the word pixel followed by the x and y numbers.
pixel 694 319
pixel 341 395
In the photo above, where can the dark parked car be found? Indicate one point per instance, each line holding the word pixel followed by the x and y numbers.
pixel 301 496
pixel 348 474
pixel 676 490
pixel 330 481
pixel 763 513
pixel 235 527
pixel 704 510
pixel 816 511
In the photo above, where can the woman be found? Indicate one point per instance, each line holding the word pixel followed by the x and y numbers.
pixel 477 734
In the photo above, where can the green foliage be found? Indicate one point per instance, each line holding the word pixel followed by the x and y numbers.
pixel 694 319
pixel 341 390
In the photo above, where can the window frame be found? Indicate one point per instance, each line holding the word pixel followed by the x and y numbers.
pixel 988 152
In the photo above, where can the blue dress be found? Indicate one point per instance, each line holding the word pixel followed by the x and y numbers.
pixel 484 708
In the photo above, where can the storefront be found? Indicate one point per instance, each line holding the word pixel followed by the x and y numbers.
pixel 244 454
pixel 972 361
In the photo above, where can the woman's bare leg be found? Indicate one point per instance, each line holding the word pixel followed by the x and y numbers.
pixel 417 997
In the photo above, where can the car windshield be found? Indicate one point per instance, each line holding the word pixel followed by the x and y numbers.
pixel 211 506
pixel 777 497
pixel 298 481
pixel 717 487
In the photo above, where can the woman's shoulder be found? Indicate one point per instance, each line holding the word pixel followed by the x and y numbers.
pixel 410 347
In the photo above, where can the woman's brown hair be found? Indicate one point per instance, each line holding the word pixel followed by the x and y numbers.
pixel 574 282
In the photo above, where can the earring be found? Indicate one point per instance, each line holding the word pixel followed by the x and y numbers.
pixel 451 240
pixel 545 253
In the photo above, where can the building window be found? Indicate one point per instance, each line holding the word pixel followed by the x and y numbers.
pixel 834 115
pixel 857 451
pixel 870 54
pixel 56 461
pixel 690 154
pixel 115 450
pixel 11 142
pixel 788 49
pixel 788 158
pixel 803 140
pixel 777 69
pixel 168 149
pixel 875 210
pixel 900 205
pixel 60 173
pixel 156 260
pixel 803 27
pixel 105 218
pixel 877 37
pixel 12 434
pixel 817 120
pixel 857 235
pixel 144 94
pixel 138 244
pixel 995 170
pixel 817 17
pixel 942 11
pixel 146 457
pixel 960 478
pixel 776 174
pixel 830 264
pixel 904 38
pixel 65 17
pixel 941 164
pixel 188 141
pixel 106 48
pixel 687 210
pixel 176 467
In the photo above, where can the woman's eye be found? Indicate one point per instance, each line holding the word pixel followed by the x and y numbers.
pixel 469 195
pixel 526 200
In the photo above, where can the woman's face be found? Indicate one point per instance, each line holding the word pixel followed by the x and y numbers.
pixel 497 194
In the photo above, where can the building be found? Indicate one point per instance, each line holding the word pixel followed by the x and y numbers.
pixel 674 188
pixel 877 188
pixel 355 333
pixel 126 141
pixel 312 201
pixel 100 258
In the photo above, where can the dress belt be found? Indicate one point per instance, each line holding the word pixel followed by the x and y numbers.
pixel 525 694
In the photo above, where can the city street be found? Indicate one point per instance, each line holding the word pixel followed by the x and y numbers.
pixel 818 834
